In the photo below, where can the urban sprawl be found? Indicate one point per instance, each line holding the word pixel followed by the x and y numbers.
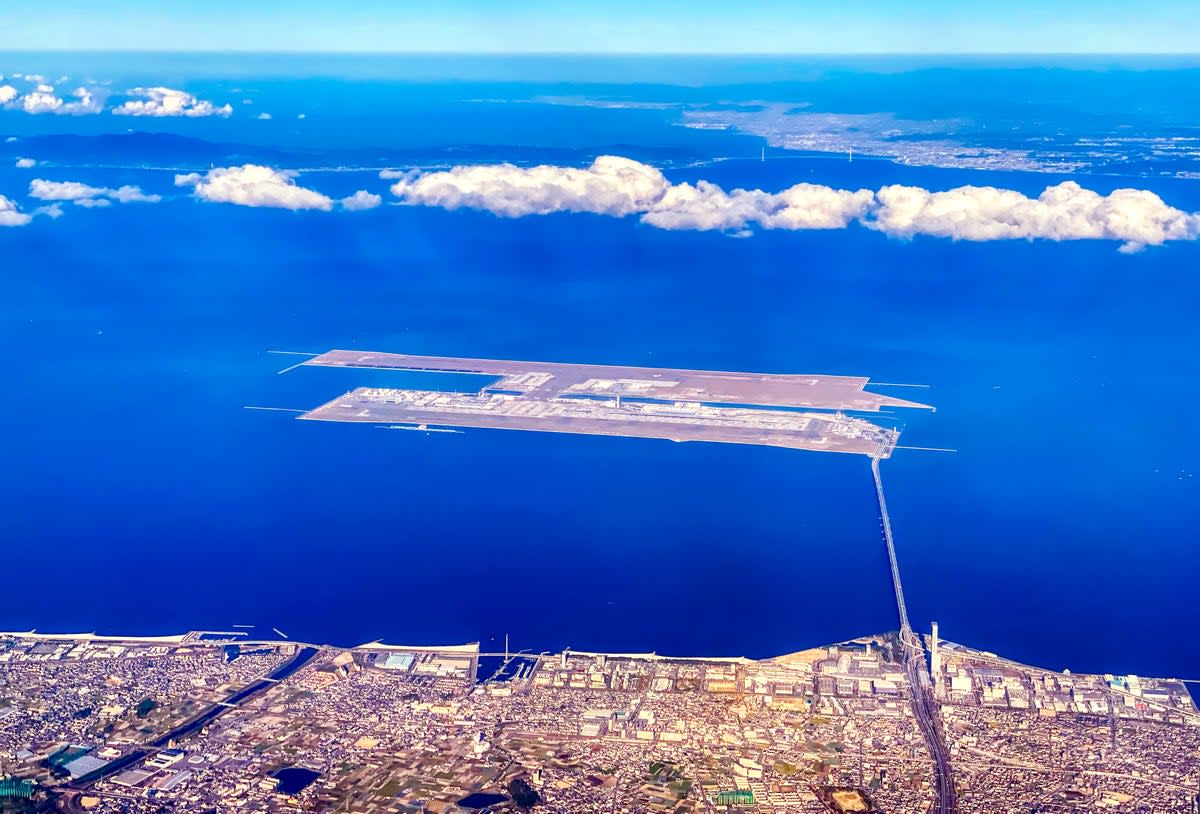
pixel 211 722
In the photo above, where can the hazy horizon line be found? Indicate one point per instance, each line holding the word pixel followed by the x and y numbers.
pixel 540 53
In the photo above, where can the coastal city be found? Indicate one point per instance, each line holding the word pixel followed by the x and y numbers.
pixel 212 721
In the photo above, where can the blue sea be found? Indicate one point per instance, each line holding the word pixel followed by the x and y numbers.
pixel 138 495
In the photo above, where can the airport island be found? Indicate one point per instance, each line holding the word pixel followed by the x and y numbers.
pixel 233 721
pixel 807 412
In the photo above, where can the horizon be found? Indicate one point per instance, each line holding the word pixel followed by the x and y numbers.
pixel 605 54
pixel 768 27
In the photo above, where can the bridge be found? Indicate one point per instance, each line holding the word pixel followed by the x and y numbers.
pixel 906 634
pixel 924 705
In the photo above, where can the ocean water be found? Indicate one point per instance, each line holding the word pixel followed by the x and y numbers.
pixel 138 495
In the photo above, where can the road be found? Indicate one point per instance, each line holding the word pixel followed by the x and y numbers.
pixel 925 708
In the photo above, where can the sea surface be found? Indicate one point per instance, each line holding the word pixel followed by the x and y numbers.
pixel 137 494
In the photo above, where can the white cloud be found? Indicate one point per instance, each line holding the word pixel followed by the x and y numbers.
pixel 361 200
pixel 254 185
pixel 43 100
pixel 706 207
pixel 40 102
pixel 45 190
pixel 35 78
pixel 52 211
pixel 87 102
pixel 132 194
pixel 11 214
pixel 302 116
pixel 25 163
pixel 85 195
pixel 264 117
pixel 1136 217
pixel 619 186
pixel 610 186
pixel 160 102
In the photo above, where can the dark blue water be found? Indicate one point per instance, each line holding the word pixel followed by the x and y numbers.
pixel 138 495
pixel 294 780
pixel 482 799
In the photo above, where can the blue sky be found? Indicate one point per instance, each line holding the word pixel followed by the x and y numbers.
pixel 623 26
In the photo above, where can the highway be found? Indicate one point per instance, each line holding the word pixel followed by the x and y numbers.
pixel 945 799
pixel 195 724
pixel 923 703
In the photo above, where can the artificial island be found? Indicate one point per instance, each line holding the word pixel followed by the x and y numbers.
pixel 795 411
pixel 228 721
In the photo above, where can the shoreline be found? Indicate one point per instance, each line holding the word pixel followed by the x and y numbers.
pixel 194 638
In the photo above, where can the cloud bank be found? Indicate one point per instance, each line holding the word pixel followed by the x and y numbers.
pixel 44 100
pixel 156 101
pixel 1136 217
pixel 11 214
pixel 87 196
pixel 610 186
pixel 160 102
pixel 254 185
pixel 620 187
